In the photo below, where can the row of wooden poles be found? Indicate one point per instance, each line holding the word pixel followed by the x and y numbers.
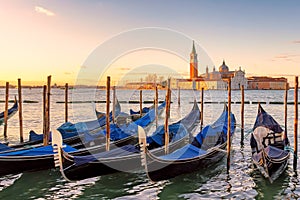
pixel 242 118
pixel 46 109
pixel 285 120
pixel 46 113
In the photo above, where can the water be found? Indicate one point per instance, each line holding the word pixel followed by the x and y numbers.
pixel 243 181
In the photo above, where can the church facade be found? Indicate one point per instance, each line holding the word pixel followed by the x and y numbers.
pixel 214 80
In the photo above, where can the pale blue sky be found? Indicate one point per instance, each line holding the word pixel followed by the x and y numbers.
pixel 40 37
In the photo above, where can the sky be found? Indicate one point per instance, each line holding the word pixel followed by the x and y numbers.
pixel 42 37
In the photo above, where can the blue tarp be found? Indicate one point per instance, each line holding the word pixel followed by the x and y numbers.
pixel 176 131
pixel 33 136
pixel 122 151
pixel 219 126
pixel 123 131
pixel 39 151
pixel 82 127
pixel 144 110
pixel 4 147
pixel 190 151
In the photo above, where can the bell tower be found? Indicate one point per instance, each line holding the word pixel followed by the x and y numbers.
pixel 193 63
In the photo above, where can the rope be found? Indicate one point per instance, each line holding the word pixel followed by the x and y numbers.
pixel 291 150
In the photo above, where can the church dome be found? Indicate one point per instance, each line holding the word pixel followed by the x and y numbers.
pixel 223 67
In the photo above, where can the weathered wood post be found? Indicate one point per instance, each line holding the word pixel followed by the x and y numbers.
pixel 141 102
pixel 242 114
pixel 296 124
pixel 66 101
pixel 44 110
pixel 114 104
pixel 228 125
pixel 107 113
pixel 285 110
pixel 156 106
pixel 47 113
pixel 178 96
pixel 6 109
pixel 168 101
pixel 201 112
pixel 20 110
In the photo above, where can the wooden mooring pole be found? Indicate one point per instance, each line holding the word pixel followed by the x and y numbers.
pixel 47 113
pixel 66 101
pixel 141 102
pixel 296 124
pixel 285 110
pixel 168 101
pixel 20 110
pixel 156 106
pixel 178 96
pixel 114 104
pixel 107 113
pixel 44 110
pixel 201 112
pixel 6 109
pixel 228 125
pixel 242 114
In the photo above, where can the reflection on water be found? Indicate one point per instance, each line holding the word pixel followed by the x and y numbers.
pixel 243 181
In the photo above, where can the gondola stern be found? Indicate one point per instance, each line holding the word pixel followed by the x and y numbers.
pixel 57 144
pixel 57 148
pixel 143 144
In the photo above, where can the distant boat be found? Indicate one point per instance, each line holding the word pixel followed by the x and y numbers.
pixel 269 148
pixel 11 112
pixel 207 148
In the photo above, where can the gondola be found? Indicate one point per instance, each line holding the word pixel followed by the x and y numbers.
pixel 70 131
pixel 11 112
pixel 93 125
pixel 269 144
pixel 126 158
pixel 206 148
pixel 144 110
pixel 32 159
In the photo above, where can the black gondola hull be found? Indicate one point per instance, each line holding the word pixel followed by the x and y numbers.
pixel 104 166
pixel 158 169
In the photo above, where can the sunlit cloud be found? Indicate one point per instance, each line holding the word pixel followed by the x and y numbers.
pixel 124 68
pixel 42 10
pixel 296 41
pixel 286 57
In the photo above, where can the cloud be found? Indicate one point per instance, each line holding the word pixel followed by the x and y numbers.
pixel 42 10
pixel 124 68
pixel 286 57
pixel 296 41
pixel 67 73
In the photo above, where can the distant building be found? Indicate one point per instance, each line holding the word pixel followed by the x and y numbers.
pixel 211 80
pixel 266 83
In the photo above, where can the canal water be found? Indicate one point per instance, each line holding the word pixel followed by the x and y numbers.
pixel 243 181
